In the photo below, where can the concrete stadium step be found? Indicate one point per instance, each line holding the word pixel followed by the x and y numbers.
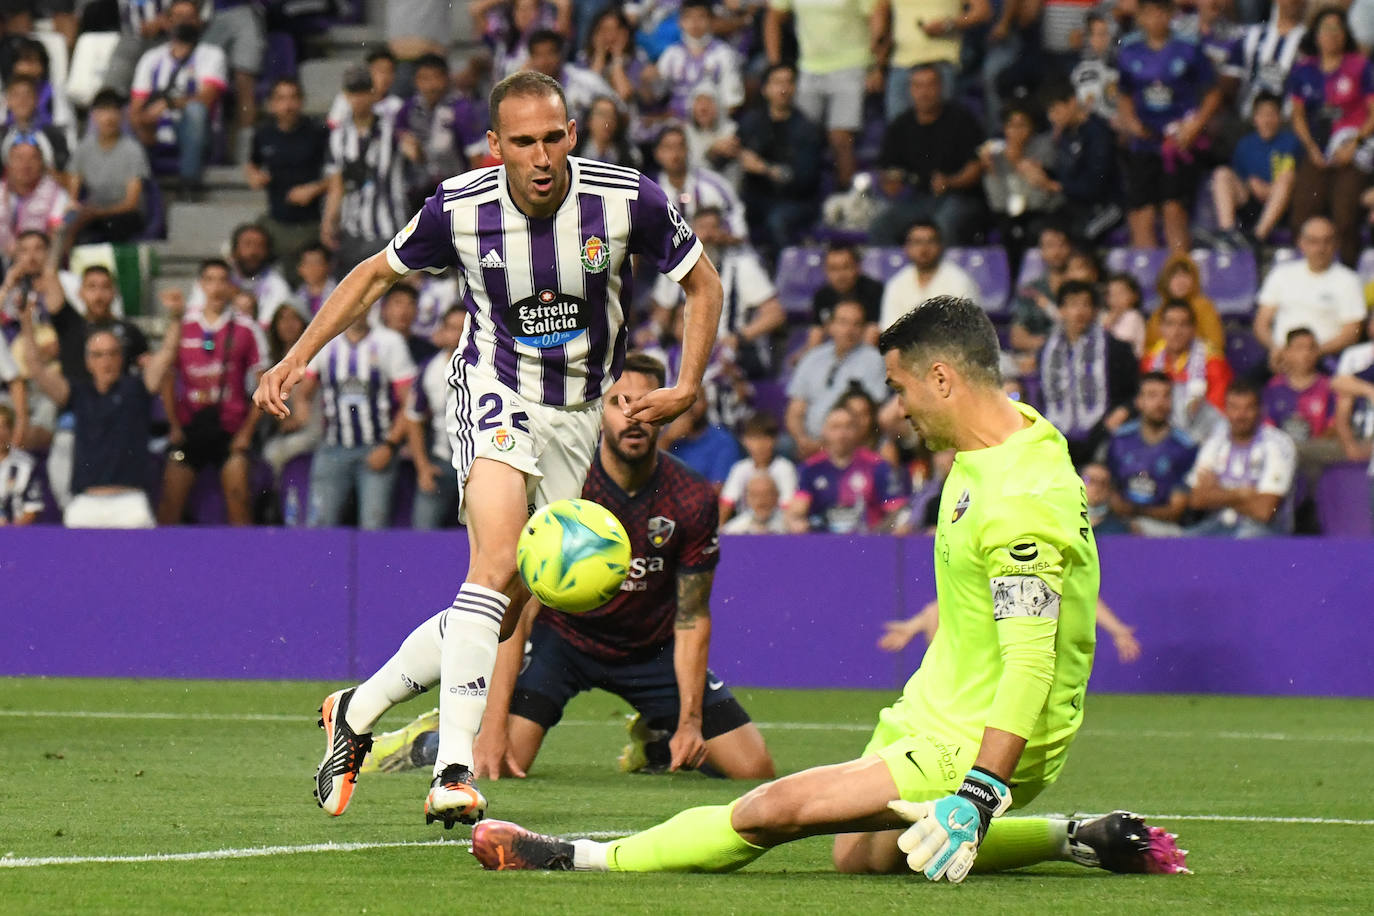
pixel 200 230
pixel 219 178
pixel 321 79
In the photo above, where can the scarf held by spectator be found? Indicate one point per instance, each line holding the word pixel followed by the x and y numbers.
pixel 1074 379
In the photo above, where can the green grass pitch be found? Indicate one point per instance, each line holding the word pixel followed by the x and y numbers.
pixel 140 768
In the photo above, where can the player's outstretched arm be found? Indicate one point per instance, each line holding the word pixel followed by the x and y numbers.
pixel 1123 636
pixel 354 295
pixel 704 300
pixel 897 634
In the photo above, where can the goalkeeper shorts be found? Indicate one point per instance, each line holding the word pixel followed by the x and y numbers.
pixel 926 766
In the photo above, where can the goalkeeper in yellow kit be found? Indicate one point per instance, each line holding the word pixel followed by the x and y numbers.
pixel 985 723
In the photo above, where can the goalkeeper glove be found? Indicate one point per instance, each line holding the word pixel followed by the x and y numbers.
pixel 943 838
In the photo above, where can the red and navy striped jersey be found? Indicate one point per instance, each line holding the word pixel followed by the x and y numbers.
pixel 672 526
pixel 546 297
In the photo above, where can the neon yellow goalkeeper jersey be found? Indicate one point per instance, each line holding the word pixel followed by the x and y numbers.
pixel 1016 575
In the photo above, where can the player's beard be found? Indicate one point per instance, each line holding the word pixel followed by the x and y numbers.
pixel 636 452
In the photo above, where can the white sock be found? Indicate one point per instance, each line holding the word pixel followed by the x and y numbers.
pixel 471 629
pixel 412 670
pixel 589 855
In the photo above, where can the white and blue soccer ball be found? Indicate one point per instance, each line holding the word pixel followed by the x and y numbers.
pixel 573 555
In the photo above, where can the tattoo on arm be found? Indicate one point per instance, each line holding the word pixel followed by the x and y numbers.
pixel 693 598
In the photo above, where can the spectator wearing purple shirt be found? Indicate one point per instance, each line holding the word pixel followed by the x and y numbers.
pixel 1168 95
pixel 846 489
pixel 1359 385
pixel 1149 460
pixel 1299 401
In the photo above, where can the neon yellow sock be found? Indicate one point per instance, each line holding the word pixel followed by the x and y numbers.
pixel 1014 842
pixel 698 839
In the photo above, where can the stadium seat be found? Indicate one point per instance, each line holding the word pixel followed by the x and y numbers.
pixel 1282 255
pixel 770 397
pixel 90 58
pixel 1204 206
pixel 1365 266
pixel 403 495
pixel 294 490
pixel 990 271
pixel 1032 268
pixel 1342 499
pixel 801 271
pixel 882 263
pixel 55 44
pixel 155 225
pixel 1243 351
pixel 278 63
pixel 1142 263
pixel 1229 279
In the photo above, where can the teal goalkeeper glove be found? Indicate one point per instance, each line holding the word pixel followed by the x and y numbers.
pixel 943 838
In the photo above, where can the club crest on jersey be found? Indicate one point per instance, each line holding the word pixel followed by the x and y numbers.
pixel 960 507
pixel 596 255
pixel 503 440
pixel 660 529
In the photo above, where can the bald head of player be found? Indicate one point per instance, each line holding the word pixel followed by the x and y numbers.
pixel 532 134
pixel 629 448
pixel 942 361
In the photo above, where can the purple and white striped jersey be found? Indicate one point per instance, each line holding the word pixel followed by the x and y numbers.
pixel 363 385
pixel 545 297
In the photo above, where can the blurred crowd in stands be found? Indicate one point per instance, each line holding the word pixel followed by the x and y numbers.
pixel 1163 207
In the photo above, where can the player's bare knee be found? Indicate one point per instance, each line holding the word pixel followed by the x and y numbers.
pixel 752 767
pixel 850 854
pixel 769 815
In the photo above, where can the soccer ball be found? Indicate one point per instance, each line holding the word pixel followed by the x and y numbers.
pixel 573 555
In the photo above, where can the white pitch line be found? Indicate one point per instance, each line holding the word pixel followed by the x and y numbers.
pixel 249 852
pixel 254 852
pixel 776 726
pixel 1256 819
pixel 157 716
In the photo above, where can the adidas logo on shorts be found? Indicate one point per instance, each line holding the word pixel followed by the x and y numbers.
pixel 477 688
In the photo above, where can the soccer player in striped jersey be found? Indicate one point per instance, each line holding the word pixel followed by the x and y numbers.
pixel 543 244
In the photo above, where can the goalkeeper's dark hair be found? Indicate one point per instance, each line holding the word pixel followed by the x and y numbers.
pixel 950 330
pixel 642 363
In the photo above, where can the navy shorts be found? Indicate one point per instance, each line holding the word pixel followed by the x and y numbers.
pixel 555 671
pixel 1149 183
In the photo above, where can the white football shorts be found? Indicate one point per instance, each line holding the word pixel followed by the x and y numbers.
pixel 551 446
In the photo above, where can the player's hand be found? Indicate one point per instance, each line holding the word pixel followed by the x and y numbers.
pixel 661 405
pixel 491 756
pixel 300 195
pixel 379 457
pixel 897 634
pixel 173 302
pixel 944 835
pixel 274 388
pixel 1127 649
pixel 427 477
pixel 688 747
